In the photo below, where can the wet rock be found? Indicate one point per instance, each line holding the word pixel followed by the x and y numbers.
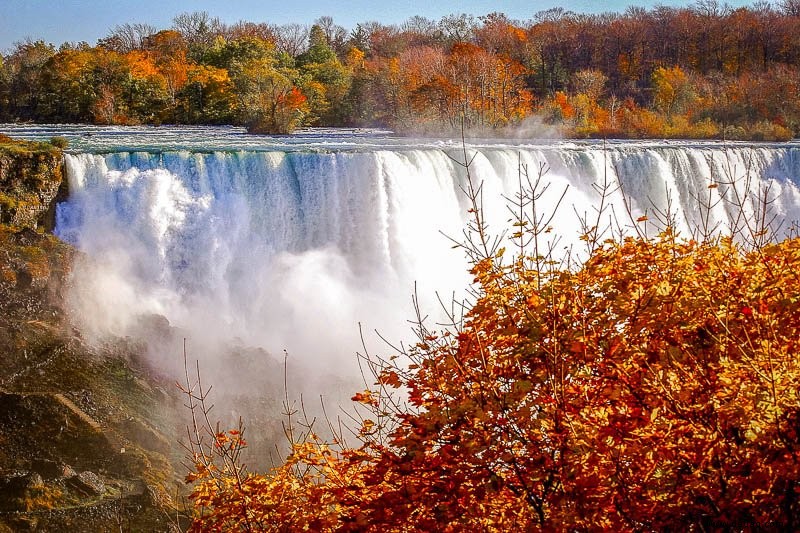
pixel 88 483
pixel 30 178
pixel 15 488
pixel 26 237
pixel 24 279
pixel 145 436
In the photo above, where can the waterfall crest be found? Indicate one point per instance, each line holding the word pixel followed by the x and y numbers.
pixel 292 249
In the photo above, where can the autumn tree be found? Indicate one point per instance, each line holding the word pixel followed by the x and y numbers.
pixel 590 82
pixel 490 92
pixel 199 30
pixel 169 51
pixel 327 80
pixel 335 35
pixel 359 38
pixel 423 31
pixel 127 37
pixel 499 35
pixel 433 94
pixel 291 39
pixel 457 28
pixel 208 96
pixel 22 72
pixel 244 29
pixel 269 100
pixel 672 90
pixel 547 51
pixel 359 103
pixel 667 71
pixel 68 85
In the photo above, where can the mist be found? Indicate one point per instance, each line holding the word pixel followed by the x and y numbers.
pixel 260 258
pixel 257 258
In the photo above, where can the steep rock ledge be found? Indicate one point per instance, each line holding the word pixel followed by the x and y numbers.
pixel 31 176
pixel 87 433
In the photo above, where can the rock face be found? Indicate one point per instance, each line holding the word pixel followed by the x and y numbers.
pixel 68 409
pixel 88 483
pixel 85 430
pixel 31 176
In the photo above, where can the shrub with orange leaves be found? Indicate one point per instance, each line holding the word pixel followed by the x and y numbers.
pixel 655 387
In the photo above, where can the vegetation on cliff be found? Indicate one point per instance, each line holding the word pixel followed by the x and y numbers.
pixel 703 71
pixel 31 176
pixel 81 425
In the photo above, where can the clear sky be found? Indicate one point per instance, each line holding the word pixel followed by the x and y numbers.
pixel 57 21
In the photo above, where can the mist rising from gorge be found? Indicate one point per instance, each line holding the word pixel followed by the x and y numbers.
pixel 253 254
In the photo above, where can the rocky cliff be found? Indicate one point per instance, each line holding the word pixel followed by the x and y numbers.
pixel 88 433
pixel 31 176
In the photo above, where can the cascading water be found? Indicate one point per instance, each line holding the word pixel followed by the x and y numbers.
pixel 289 243
pixel 281 250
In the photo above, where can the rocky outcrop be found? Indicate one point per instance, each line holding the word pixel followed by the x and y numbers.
pixel 31 176
pixel 85 429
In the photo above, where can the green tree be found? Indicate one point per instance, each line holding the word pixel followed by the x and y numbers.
pixel 319 50
pixel 208 96
pixel 269 101
pixel 23 72
pixel 326 81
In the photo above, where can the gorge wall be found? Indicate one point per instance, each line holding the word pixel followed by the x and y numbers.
pixel 85 430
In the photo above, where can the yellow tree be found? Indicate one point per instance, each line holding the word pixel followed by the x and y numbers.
pixel 168 51
pixel 672 90
pixel 208 95
pixel 269 101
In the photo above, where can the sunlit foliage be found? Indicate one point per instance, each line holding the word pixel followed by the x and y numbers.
pixel 696 72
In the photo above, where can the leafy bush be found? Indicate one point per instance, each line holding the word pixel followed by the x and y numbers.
pixel 759 131
pixel 769 131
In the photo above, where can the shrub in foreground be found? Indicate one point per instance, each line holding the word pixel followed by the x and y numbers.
pixel 655 387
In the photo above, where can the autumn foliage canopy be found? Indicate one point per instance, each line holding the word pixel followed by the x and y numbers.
pixel 654 387
pixel 701 71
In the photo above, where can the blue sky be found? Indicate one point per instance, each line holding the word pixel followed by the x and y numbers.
pixel 57 21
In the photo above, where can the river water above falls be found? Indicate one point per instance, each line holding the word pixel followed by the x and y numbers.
pixel 290 242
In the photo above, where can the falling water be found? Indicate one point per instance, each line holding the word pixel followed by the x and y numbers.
pixel 290 243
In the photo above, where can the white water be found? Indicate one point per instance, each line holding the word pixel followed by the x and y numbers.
pixel 280 250
pixel 289 243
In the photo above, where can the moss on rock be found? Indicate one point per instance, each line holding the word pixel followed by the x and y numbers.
pixel 31 175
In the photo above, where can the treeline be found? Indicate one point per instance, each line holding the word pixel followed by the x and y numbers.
pixel 702 71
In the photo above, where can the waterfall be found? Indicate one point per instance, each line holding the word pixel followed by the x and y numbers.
pixel 292 249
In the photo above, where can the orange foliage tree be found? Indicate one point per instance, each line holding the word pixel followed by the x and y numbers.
pixel 168 50
pixel 655 387
pixel 208 95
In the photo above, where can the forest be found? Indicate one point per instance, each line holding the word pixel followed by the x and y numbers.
pixel 703 71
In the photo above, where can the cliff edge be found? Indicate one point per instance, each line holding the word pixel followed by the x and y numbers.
pixel 31 176
pixel 87 433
